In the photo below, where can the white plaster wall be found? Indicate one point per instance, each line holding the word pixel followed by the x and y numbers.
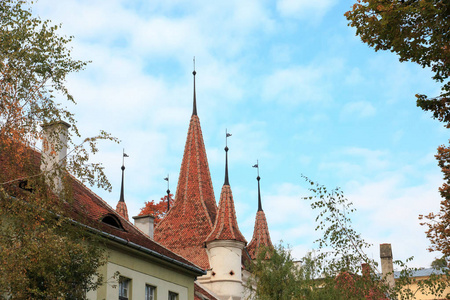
pixel 138 282
pixel 225 262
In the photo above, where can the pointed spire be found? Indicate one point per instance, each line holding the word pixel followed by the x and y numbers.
pixel 193 213
pixel 226 157
pixel 226 226
pixel 168 192
pixel 121 206
pixel 259 190
pixel 194 110
pixel 261 236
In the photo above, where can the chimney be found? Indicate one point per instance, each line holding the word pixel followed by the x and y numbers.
pixel 387 266
pixel 145 224
pixel 54 151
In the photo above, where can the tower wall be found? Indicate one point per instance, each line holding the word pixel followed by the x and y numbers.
pixel 226 275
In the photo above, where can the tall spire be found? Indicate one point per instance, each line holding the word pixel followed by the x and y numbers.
pixel 121 206
pixel 193 213
pixel 194 110
pixel 226 157
pixel 261 236
pixel 168 192
pixel 259 190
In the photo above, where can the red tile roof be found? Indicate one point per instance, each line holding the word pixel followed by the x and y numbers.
pixel 226 227
pixel 261 236
pixel 191 219
pixel 201 294
pixel 88 209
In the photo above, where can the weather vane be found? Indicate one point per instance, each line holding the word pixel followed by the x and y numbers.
pixel 256 166
pixel 227 135
pixel 168 192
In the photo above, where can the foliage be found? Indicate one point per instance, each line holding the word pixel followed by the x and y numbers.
pixel 439 263
pixel 339 268
pixel 157 210
pixel 418 31
pixel 34 64
pixel 438 230
pixel 43 255
pixel 275 278
pixel 344 246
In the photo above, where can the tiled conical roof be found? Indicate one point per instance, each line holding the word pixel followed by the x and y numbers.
pixel 261 236
pixel 226 227
pixel 193 214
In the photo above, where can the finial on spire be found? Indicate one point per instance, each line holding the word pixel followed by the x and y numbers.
pixel 194 110
pixel 227 135
pixel 259 191
pixel 122 198
pixel 168 192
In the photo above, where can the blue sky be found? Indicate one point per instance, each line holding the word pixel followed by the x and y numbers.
pixel 292 83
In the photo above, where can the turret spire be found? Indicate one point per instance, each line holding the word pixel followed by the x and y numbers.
pixel 227 135
pixel 122 199
pixel 261 236
pixel 121 206
pixel 194 110
pixel 259 190
pixel 168 192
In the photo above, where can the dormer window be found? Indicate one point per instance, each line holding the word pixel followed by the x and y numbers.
pixel 112 220
pixel 23 184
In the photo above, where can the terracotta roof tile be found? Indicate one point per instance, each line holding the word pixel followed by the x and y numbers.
pixel 89 209
pixel 226 227
pixel 193 214
pixel 261 236
pixel 121 208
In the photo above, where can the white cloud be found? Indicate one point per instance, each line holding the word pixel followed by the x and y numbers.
pixel 358 110
pixel 296 85
pixel 304 9
pixel 354 162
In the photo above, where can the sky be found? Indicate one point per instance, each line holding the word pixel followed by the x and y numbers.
pixel 298 91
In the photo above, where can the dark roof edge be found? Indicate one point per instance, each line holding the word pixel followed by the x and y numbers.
pixel 131 244
pixel 142 248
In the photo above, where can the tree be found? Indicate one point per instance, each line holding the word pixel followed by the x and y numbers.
pixel 418 31
pixel 275 278
pixel 339 268
pixel 157 210
pixel 439 263
pixel 43 254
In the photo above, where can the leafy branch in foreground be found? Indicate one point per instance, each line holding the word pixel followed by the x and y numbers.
pixel 43 255
pixel 418 31
pixel 339 269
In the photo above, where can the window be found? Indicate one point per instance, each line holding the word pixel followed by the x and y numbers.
pixel 112 220
pixel 173 296
pixel 124 288
pixel 149 292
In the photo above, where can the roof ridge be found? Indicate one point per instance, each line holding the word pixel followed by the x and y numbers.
pixel 99 198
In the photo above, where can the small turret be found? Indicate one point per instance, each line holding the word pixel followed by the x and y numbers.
pixel 225 244
pixel 261 236
pixel 121 207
